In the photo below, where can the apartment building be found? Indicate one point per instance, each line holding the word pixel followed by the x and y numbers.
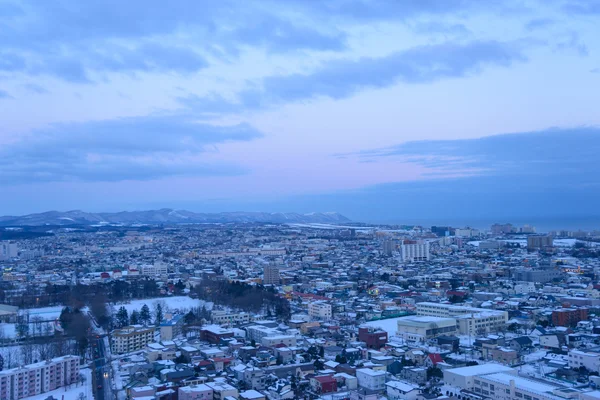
pixel 38 378
pixel 131 338
pixel 413 250
pixel 370 379
pixel 271 275
pixel 8 250
pixel 587 359
pixel 320 310
pixel 229 318
pixel 470 320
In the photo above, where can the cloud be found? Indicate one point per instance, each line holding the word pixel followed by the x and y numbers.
pixel 583 7
pixel 343 78
pixel 549 176
pixel 539 23
pixel 5 95
pixel 122 149
pixel 74 40
pixel 34 88
pixel 527 153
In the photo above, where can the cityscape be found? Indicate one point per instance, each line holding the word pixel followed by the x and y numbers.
pixel 298 310
pixel 299 200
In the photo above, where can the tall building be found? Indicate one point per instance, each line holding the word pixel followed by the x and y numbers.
pixel 569 316
pixel 8 250
pixel 412 250
pixel 498 229
pixel 388 247
pixel 34 379
pixel 538 242
pixel 131 338
pixel 271 275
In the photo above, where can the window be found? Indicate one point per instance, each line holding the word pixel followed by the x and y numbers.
pixel 519 395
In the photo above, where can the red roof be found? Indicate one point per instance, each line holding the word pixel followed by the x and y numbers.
pixel 325 379
pixel 435 358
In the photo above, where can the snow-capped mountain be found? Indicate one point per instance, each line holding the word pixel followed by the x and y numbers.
pixel 166 216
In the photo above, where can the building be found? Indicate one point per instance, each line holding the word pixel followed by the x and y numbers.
pixel 569 316
pixel 506 386
pixel 490 245
pixel 465 377
pixel 8 250
pixel 229 318
pixel 499 229
pixel 470 320
pixel 397 390
pixel 157 269
pixel 537 275
pixel 423 328
pixel 196 392
pixel 258 332
pixel 539 242
pixel 373 337
pixel 587 359
pixel 171 327
pixel 221 390
pixel 214 334
pixel 370 379
pixel 320 310
pixel 271 275
pixel 131 338
pixel 388 247
pixel 323 384
pixel 8 313
pixel 34 379
pixel 272 341
pixel 412 250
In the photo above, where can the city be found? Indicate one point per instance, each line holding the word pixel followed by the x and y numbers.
pixel 299 200
pixel 299 310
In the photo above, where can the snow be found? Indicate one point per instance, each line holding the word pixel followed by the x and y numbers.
pixel 180 303
pixel 388 325
pixel 71 393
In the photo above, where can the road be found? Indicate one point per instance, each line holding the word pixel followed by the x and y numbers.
pixel 102 388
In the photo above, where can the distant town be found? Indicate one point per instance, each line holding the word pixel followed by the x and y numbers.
pixel 299 310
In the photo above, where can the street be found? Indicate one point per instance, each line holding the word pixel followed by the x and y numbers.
pixel 102 382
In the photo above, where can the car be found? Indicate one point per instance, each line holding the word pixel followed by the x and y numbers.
pixel 99 387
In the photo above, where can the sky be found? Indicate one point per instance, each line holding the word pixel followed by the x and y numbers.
pixel 385 111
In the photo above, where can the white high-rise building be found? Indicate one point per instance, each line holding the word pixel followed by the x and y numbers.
pixel 8 250
pixel 411 251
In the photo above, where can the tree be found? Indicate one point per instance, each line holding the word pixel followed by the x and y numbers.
pixel 434 372
pixel 122 317
pixel 158 313
pixel 318 364
pixel 134 318
pixel 1 362
pixel 179 287
pixel 190 317
pixel 145 315
pixel 321 351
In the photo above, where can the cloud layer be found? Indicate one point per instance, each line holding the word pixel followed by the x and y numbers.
pixel 136 148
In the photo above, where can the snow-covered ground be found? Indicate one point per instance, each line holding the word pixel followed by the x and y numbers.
pixel 173 303
pixel 9 330
pixel 70 393
pixel 389 325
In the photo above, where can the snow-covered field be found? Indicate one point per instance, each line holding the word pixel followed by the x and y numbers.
pixel 173 303
pixel 70 393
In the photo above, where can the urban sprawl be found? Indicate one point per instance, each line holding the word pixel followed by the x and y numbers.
pixel 298 311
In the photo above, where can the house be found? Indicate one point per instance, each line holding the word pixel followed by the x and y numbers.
pixel 521 343
pixel 323 384
pixel 433 359
pixel 252 395
pixel 398 390
pixel 416 375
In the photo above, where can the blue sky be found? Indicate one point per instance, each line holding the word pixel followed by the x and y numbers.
pixel 383 110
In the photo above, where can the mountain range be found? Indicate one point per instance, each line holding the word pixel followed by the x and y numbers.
pixel 166 216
